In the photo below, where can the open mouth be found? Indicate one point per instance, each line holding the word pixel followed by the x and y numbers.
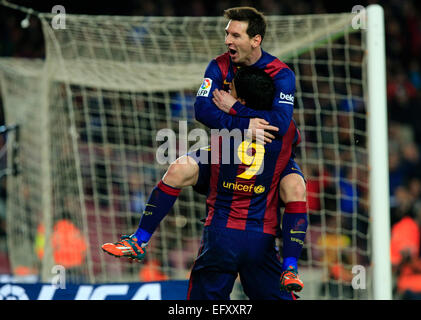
pixel 232 52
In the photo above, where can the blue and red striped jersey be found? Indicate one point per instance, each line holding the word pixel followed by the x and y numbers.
pixel 220 73
pixel 239 198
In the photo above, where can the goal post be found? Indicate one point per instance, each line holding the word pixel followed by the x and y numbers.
pixel 89 117
pixel 378 159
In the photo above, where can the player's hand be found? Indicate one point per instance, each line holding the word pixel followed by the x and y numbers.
pixel 258 129
pixel 223 100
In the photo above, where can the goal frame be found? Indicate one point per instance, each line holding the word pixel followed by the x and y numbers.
pixel 378 154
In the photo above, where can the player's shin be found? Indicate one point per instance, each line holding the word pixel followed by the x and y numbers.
pixel 294 227
pixel 160 202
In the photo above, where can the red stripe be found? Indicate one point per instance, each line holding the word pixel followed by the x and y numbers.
pixel 296 207
pixel 298 138
pixel 190 285
pixel 272 202
pixel 237 218
pixel 223 63
pixel 215 166
pixel 168 190
pixel 270 220
pixel 274 67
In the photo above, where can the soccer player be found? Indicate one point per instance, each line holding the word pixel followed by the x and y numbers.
pixel 244 34
pixel 243 212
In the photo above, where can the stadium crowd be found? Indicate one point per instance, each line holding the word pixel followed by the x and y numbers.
pixel 403 49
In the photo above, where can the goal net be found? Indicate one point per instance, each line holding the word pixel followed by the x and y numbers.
pixel 88 119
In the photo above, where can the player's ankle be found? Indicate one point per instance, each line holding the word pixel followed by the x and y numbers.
pixel 142 236
pixel 289 262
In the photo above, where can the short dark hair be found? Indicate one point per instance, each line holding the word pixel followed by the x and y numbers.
pixel 255 86
pixel 256 20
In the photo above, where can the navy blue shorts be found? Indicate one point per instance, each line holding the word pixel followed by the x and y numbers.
pixel 292 167
pixel 202 157
pixel 226 253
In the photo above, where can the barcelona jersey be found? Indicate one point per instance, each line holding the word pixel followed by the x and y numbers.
pixel 243 191
pixel 220 73
pixel 244 188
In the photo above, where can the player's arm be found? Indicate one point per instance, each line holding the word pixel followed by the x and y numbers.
pixel 283 104
pixel 206 111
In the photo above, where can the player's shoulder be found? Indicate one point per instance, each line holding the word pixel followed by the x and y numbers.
pixel 223 63
pixel 223 58
pixel 218 67
pixel 274 66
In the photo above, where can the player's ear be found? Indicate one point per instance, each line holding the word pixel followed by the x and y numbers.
pixel 256 41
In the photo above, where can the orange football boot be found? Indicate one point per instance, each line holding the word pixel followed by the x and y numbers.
pixel 290 280
pixel 126 247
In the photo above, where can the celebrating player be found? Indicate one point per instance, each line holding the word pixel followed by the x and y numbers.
pixel 244 35
pixel 243 211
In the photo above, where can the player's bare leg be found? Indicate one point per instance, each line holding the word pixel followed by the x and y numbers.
pixel 181 173
pixel 294 226
pixel 292 188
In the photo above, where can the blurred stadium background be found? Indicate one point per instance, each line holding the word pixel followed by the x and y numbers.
pixel 116 124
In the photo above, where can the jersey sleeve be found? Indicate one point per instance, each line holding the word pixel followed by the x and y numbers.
pixel 283 104
pixel 206 111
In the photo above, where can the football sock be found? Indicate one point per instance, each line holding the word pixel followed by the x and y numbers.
pixel 294 227
pixel 289 262
pixel 160 202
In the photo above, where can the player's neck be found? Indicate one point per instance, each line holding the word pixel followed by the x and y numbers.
pixel 254 57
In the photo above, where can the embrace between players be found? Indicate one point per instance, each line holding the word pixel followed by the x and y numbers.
pixel 243 203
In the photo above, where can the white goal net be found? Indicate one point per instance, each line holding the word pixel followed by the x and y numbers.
pixel 89 114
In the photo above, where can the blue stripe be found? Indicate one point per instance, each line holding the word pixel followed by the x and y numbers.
pixel 259 201
pixel 223 202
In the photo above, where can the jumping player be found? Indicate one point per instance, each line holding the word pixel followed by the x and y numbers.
pixel 245 31
pixel 243 212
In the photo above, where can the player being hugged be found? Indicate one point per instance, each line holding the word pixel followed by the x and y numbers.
pixel 243 208
pixel 219 110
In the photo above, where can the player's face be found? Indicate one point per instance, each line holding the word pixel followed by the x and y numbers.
pixel 242 49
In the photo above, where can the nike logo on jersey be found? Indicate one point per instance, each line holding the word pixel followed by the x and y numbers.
pixel 295 231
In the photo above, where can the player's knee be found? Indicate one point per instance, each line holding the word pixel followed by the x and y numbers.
pixel 181 173
pixel 293 188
